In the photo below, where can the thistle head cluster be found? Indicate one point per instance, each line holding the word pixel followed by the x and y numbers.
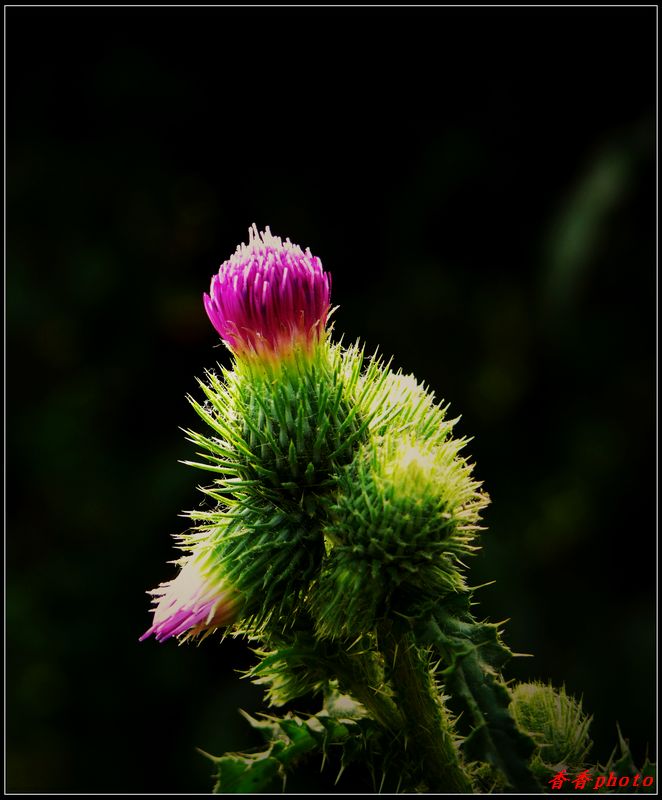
pixel 338 492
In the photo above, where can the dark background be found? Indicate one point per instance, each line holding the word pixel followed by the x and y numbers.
pixel 481 184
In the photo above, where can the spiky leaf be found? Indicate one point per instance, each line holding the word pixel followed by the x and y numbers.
pixel 475 655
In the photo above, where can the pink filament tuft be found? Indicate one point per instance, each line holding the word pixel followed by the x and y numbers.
pixel 268 296
pixel 200 616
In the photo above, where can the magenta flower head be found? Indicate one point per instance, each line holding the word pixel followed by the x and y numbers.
pixel 269 298
pixel 195 601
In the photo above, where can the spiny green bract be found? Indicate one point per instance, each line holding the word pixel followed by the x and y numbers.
pixel 556 723
pixel 335 473
pixel 284 427
pixel 266 554
pixel 304 664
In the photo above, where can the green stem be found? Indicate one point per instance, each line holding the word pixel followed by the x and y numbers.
pixel 354 674
pixel 427 723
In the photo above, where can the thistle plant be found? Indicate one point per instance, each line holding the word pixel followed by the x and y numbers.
pixel 340 514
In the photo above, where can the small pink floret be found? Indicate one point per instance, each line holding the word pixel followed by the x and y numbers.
pixel 192 602
pixel 187 619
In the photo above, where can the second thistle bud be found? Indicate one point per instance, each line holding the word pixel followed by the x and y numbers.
pixel 406 512
pixel 556 722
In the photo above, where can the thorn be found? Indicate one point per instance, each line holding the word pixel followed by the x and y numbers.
pixel 215 759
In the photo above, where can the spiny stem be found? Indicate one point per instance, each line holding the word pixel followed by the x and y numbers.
pixel 353 674
pixel 426 720
pixel 382 709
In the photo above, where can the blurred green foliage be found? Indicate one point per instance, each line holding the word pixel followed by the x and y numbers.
pixel 480 182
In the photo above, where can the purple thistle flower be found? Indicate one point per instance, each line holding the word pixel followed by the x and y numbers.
pixel 192 602
pixel 269 297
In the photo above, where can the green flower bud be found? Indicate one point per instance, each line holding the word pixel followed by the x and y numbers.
pixel 405 513
pixel 557 724
pixel 270 556
pixel 286 425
